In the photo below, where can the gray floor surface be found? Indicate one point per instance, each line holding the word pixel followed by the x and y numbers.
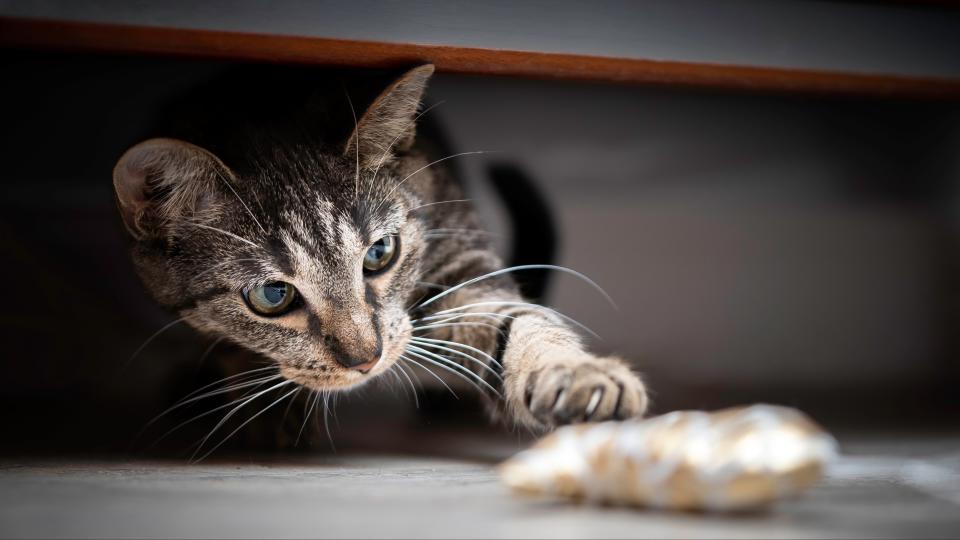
pixel 887 487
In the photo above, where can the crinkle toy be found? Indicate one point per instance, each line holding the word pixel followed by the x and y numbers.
pixel 735 459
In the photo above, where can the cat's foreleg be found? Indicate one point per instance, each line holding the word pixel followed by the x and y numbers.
pixel 540 366
pixel 550 379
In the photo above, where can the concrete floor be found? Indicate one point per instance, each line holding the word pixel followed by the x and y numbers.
pixel 888 487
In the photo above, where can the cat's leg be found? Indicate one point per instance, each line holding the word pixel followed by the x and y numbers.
pixel 550 379
pixel 546 376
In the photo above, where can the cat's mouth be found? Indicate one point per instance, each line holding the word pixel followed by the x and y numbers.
pixel 333 378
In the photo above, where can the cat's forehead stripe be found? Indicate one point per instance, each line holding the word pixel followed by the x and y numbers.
pixel 324 216
pixel 281 256
pixel 350 238
pixel 313 257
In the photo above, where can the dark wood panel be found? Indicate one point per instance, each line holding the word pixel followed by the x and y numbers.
pixel 113 38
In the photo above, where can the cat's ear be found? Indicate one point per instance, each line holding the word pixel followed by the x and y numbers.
pixel 160 181
pixel 388 125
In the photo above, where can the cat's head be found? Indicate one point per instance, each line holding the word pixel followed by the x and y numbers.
pixel 308 254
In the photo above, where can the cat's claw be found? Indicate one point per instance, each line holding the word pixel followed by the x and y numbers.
pixel 591 390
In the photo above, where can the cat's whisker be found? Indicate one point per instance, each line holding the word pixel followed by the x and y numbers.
pixel 468 324
pixel 413 304
pixel 316 417
pixel 463 346
pixel 225 390
pixel 326 421
pixel 518 268
pixel 415 384
pixel 150 339
pixel 225 379
pixel 433 319
pixel 237 195
pixel 319 398
pixel 390 382
pixel 221 265
pixel 199 416
pixel 528 305
pixel 251 386
pixel 356 142
pixel 428 327
pixel 283 419
pixel 209 351
pixel 435 376
pixel 233 411
pixel 414 349
pixel 306 404
pixel 458 235
pixel 413 389
pixel 458 231
pixel 333 406
pixel 442 321
pixel 421 169
pixel 221 231
pixel 429 285
pixel 463 355
pixel 309 405
pixel 388 379
pixel 394 384
pixel 444 318
pixel 446 367
pixel 241 426
pixel 440 236
pixel 413 376
pixel 438 202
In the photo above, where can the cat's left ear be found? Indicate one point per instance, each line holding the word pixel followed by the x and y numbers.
pixel 388 124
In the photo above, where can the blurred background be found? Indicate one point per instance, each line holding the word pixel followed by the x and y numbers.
pixel 792 247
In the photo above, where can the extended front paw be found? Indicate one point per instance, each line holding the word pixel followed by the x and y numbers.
pixel 589 390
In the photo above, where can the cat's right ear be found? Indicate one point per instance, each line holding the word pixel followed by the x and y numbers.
pixel 160 181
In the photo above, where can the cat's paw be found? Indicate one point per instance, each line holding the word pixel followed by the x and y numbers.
pixel 588 390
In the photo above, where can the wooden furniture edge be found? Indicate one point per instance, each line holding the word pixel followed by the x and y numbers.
pixel 72 36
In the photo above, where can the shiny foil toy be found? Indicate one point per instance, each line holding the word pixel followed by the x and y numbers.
pixel 734 459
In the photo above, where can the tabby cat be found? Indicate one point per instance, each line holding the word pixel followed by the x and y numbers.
pixel 336 246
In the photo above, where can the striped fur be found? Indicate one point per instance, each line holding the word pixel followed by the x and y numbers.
pixel 276 198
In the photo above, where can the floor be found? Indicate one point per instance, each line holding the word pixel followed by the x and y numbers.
pixel 883 487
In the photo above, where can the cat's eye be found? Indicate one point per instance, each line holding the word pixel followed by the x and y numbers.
pixel 380 254
pixel 271 299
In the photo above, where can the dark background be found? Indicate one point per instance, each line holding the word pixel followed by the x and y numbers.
pixel 799 250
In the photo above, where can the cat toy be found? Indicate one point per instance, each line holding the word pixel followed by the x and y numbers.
pixel 730 460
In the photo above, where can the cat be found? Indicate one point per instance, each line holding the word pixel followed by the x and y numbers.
pixel 333 244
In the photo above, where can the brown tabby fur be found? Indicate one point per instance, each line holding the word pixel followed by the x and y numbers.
pixel 281 190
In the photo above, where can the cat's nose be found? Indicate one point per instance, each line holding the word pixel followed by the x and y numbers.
pixel 354 354
pixel 359 364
